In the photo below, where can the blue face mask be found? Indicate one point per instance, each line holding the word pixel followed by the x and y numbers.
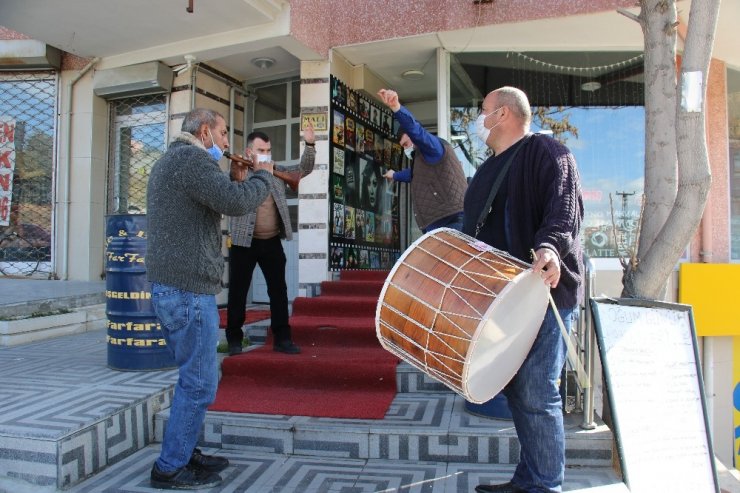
pixel 215 151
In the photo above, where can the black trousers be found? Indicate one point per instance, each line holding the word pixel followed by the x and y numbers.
pixel 270 256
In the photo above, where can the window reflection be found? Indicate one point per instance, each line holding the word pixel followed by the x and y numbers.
pixel 733 116
pixel 590 101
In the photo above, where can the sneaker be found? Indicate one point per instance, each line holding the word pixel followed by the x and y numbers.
pixel 209 463
pixel 286 347
pixel 235 349
pixel 184 478
pixel 498 488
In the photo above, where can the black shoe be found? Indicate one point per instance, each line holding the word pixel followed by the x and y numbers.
pixel 235 349
pixel 185 478
pixel 498 488
pixel 209 463
pixel 286 347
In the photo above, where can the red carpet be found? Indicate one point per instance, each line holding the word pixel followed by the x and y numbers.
pixel 252 315
pixel 342 372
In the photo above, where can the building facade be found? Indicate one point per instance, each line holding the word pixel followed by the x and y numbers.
pixel 85 111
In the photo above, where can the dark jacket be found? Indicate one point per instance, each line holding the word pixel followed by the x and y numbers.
pixel 543 208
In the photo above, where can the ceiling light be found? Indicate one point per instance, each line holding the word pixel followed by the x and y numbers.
pixel 263 62
pixel 413 75
pixel 591 86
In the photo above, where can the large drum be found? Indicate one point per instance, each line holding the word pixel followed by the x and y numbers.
pixel 461 311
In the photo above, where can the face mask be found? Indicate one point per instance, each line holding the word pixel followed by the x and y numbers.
pixel 409 151
pixel 215 151
pixel 480 125
pixel 264 158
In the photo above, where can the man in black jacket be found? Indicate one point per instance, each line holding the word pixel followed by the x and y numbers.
pixel 539 208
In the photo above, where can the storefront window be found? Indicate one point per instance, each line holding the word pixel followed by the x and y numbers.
pixel 271 103
pixel 733 115
pixel 591 103
pixel 137 141
pixel 27 138
pixel 277 114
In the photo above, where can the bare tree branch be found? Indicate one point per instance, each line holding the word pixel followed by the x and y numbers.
pixel 629 15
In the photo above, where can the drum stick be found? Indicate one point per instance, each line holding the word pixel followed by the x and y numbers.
pixel 575 362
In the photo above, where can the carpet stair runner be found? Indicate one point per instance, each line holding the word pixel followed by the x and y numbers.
pixel 342 370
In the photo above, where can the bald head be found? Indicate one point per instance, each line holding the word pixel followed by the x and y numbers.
pixel 505 118
pixel 515 100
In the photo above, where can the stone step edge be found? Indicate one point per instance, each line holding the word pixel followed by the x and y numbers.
pixel 28 329
pixel 68 459
pixel 367 439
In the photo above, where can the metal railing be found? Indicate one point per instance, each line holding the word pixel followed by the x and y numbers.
pixel 588 336
pixel 578 396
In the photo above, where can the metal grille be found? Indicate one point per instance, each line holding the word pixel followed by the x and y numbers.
pixel 137 140
pixel 27 161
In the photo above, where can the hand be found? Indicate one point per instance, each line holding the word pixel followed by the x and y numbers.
pixel 547 265
pixel 238 172
pixel 265 165
pixel 390 99
pixel 388 175
pixel 308 135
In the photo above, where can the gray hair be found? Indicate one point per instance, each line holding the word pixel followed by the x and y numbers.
pixel 516 100
pixel 198 117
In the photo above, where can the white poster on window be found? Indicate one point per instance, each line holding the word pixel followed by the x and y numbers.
pixel 7 166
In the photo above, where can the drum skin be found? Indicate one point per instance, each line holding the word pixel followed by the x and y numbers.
pixel 461 311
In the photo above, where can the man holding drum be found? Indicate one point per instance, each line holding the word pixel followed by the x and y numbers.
pixel 536 207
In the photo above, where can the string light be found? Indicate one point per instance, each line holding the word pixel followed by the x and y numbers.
pixel 597 68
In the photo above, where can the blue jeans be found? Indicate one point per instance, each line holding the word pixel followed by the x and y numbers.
pixel 190 326
pixel 537 408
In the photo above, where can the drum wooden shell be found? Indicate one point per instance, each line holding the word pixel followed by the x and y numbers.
pixel 461 311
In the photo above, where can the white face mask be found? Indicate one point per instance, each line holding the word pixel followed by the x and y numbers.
pixel 409 151
pixel 264 158
pixel 480 125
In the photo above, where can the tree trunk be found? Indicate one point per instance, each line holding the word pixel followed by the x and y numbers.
pixel 677 172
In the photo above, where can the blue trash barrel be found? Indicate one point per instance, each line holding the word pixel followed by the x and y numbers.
pixel 135 340
pixel 497 408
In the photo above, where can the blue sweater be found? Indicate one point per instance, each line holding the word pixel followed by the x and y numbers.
pixel 429 145
pixel 538 205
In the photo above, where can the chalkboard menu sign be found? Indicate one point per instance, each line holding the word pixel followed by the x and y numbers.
pixel 654 383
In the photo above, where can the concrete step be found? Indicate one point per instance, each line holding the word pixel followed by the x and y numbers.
pixel 417 427
pixel 68 417
pixel 34 310
pixel 262 472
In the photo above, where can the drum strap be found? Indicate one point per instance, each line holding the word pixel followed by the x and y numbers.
pixel 486 211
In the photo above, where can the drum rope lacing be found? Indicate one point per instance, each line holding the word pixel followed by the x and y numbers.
pixel 470 275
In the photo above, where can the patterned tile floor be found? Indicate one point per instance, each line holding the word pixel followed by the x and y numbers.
pixel 271 473
pixel 52 388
